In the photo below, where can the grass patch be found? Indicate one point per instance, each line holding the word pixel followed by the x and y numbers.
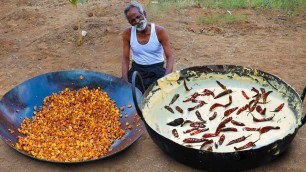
pixel 160 8
pixel 222 19
pixel 286 5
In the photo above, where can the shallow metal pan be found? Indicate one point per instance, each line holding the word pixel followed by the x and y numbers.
pixel 19 103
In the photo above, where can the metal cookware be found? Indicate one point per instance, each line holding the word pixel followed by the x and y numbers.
pixel 203 159
pixel 19 103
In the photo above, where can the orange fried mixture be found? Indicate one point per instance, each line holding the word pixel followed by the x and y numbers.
pixel 72 126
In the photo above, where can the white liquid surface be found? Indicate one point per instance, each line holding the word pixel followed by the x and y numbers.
pixel 157 116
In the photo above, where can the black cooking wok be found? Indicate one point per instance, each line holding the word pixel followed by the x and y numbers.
pixel 216 161
pixel 19 103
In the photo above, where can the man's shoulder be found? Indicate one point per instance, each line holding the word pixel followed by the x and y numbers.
pixel 160 31
pixel 127 32
pixel 127 29
pixel 159 28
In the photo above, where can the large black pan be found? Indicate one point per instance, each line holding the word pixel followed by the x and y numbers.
pixel 19 103
pixel 228 161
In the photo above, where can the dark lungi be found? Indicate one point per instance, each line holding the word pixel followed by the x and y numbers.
pixel 149 73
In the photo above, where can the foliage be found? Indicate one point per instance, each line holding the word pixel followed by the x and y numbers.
pixel 74 2
pixel 289 7
pixel 232 4
pixel 222 19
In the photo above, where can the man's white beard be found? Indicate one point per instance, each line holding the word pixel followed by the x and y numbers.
pixel 142 25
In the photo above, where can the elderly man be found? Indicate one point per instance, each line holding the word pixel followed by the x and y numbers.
pixel 148 43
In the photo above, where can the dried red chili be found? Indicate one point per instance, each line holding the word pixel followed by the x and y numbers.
pixel 197 101
pixel 263 119
pixel 194 140
pixel 251 129
pixel 208 92
pixel 222 124
pixel 198 114
pixel 185 122
pixel 180 110
pixel 216 145
pixel 185 86
pixel 206 143
pixel 260 110
pixel 190 130
pixel 240 139
pixel 263 91
pixel 210 148
pixel 197 106
pixel 169 109
pixel 256 91
pixel 193 96
pixel 252 105
pixel 245 95
pixel 215 105
pixel 229 129
pixel 175 133
pixel 237 123
pixel 213 116
pixel 212 107
pixel 265 96
pixel 221 85
pixel 188 100
pixel 221 139
pixel 224 93
pixel 242 109
pixel 279 108
pixel 207 135
pixel 198 124
pixel 229 101
pixel 268 128
pixel 230 111
pixel 175 97
pixel 199 131
pixel 248 145
pixel 176 122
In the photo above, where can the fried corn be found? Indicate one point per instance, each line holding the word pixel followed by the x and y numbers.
pixel 72 126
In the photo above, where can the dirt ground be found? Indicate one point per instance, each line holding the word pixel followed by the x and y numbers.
pixel 38 37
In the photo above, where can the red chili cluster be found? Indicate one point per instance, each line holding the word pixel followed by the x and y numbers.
pixel 254 102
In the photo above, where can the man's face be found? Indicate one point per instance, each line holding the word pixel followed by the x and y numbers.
pixel 135 18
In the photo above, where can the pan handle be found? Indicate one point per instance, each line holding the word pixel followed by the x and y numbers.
pixel 136 74
pixel 302 98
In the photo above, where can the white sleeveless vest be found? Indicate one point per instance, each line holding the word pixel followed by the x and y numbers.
pixel 149 53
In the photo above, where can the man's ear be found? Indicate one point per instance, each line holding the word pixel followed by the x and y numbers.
pixel 145 14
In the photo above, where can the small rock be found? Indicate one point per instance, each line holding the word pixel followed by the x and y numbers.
pixel 90 14
pixel 75 27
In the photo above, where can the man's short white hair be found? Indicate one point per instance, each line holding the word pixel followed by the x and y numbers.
pixel 131 5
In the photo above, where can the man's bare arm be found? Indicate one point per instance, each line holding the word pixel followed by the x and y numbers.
pixel 164 40
pixel 126 53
